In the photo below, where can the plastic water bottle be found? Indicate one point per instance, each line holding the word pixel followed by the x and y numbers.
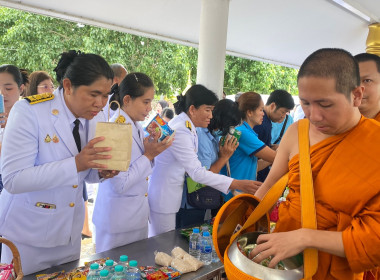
pixel 206 248
pixel 124 262
pixel 214 255
pixel 194 249
pixel 133 273
pixel 110 266
pixel 204 229
pixel 104 274
pixel 93 274
pixel 119 273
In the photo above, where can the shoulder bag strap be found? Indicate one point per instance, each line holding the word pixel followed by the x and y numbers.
pixel 308 212
pixel 265 204
pixel 282 130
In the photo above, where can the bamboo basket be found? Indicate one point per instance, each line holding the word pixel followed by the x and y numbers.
pixel 16 261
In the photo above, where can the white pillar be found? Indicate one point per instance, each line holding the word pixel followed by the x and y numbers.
pixel 212 44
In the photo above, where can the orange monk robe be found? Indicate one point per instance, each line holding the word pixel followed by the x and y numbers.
pixel 377 117
pixel 374 274
pixel 346 178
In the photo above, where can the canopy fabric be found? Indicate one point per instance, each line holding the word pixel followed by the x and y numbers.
pixel 277 31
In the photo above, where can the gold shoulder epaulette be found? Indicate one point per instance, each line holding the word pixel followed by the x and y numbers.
pixel 120 119
pixel 37 98
pixel 188 125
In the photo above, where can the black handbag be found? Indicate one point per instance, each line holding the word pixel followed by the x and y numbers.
pixel 204 197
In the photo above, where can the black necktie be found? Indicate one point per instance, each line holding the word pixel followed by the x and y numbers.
pixel 76 134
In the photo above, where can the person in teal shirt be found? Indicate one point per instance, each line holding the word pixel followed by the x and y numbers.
pixel 244 162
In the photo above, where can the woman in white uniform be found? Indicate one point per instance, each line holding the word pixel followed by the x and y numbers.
pixel 194 109
pixel 44 166
pixel 121 209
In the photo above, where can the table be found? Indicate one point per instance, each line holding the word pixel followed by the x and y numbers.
pixel 143 252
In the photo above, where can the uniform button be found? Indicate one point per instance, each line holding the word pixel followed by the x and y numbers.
pixel 146 194
pixel 75 186
pixel 147 178
pixel 72 204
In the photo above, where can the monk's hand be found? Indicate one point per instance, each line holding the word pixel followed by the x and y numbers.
pixel 153 148
pixel 279 246
pixel 84 160
pixel 107 174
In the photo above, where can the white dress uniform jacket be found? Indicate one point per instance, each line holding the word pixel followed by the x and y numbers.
pixel 121 210
pixel 168 176
pixel 36 170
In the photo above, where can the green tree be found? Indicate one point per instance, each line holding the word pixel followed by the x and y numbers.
pixel 34 42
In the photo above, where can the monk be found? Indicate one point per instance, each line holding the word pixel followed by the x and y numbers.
pixel 344 152
pixel 369 68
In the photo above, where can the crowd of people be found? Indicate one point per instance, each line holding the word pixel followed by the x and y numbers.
pixel 221 148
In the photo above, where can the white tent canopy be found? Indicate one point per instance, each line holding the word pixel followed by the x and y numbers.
pixel 277 31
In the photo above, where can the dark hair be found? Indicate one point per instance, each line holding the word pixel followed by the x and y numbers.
pixel 34 80
pixel 281 98
pixel 116 68
pixel 225 114
pixel 25 76
pixel 81 68
pixel 168 113
pixel 14 71
pixel 163 104
pixel 335 64
pixel 249 101
pixel 134 84
pixel 196 95
pixel 364 57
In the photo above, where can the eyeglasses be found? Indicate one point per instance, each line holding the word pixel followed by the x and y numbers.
pixel 47 87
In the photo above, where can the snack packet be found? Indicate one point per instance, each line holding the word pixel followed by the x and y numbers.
pixel 152 273
pixel 171 272
pixel 158 127
pixel 59 275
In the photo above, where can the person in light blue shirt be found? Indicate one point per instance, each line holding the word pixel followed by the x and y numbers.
pixel 277 128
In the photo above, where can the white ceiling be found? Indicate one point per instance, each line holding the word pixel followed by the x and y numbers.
pixel 279 31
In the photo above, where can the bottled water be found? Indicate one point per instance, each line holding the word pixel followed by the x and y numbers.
pixel 206 248
pixel 194 249
pixel 119 273
pixel 214 255
pixel 124 262
pixel 110 266
pixel 104 274
pixel 133 273
pixel 204 229
pixel 93 274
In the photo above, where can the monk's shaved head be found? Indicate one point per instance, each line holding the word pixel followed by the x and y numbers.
pixel 330 63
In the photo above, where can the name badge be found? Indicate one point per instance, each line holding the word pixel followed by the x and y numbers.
pixel 45 205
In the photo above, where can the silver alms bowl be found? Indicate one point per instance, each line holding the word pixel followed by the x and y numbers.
pixel 293 266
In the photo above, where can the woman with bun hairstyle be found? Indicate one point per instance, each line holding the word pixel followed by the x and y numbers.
pixel 121 210
pixel 47 155
pixel 194 109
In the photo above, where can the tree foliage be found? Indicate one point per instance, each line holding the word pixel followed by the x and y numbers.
pixel 34 42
